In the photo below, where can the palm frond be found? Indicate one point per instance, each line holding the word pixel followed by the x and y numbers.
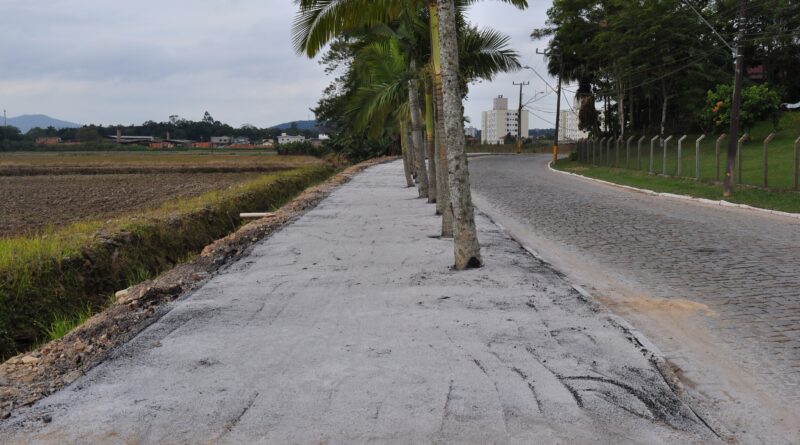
pixel 319 21
pixel 485 53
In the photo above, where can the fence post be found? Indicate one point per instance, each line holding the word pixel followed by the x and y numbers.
pixel 766 158
pixel 739 156
pixel 608 151
pixel 639 152
pixel 679 170
pixel 716 152
pixel 594 151
pixel 616 151
pixel 628 152
pixel 796 161
pixel 602 156
pixel 584 146
pixel 652 152
pixel 664 165
pixel 697 157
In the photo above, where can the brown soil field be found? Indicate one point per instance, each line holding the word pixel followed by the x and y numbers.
pixel 29 204
pixel 41 190
pixel 92 163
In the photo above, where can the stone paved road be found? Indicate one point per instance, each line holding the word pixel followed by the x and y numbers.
pixel 717 289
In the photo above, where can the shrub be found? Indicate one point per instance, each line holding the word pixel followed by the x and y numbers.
pixel 759 103
pixel 303 148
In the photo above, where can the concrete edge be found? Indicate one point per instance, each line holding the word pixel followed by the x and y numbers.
pixel 721 203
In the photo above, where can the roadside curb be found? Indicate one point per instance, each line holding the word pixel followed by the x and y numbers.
pixel 720 203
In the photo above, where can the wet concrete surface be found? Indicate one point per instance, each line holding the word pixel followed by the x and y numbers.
pixel 716 289
pixel 349 326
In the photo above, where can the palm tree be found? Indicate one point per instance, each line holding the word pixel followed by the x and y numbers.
pixel 321 20
pixel 465 235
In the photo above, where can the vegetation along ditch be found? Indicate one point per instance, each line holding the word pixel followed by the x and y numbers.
pixel 50 281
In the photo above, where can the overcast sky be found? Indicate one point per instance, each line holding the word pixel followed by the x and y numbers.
pixel 113 61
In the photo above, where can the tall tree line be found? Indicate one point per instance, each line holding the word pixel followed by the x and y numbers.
pixel 648 65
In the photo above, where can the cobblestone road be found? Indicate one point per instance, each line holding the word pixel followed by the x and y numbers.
pixel 741 268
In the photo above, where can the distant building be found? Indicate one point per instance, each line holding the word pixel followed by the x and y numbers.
pixel 220 141
pixel 285 138
pixel 49 140
pixel 161 144
pixel 266 143
pixel 141 140
pixel 471 132
pixel 500 121
pixel 568 130
pixel 241 140
pixel 323 137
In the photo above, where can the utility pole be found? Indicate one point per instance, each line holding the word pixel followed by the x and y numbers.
pixel 5 131
pixel 519 116
pixel 736 102
pixel 558 100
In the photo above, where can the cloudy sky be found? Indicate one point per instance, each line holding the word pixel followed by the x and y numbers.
pixel 114 61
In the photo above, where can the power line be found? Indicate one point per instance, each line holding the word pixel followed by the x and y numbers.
pixel 708 24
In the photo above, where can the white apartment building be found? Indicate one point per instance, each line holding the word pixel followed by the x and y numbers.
pixel 500 121
pixel 471 132
pixel 568 124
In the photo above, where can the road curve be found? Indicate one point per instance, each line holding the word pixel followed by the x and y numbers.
pixel 717 289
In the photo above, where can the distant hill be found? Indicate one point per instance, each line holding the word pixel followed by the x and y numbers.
pixel 28 121
pixel 301 125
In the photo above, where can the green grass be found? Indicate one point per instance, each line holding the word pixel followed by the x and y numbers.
pixel 46 279
pixel 782 200
pixel 63 324
pixel 780 155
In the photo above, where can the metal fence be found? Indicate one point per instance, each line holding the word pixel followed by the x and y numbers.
pixel 674 158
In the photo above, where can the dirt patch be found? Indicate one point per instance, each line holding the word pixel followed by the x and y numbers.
pixel 13 163
pixel 26 378
pixel 31 203
pixel 656 305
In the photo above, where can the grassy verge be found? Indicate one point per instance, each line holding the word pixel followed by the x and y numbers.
pixel 50 281
pixel 780 159
pixel 786 201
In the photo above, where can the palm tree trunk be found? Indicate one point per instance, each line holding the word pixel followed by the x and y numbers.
pixel 465 237
pixel 406 158
pixel 416 132
pixel 443 199
pixel 430 145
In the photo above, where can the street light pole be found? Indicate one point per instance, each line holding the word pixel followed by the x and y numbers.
pixel 558 120
pixel 736 102
pixel 519 116
pixel 5 131
pixel 558 99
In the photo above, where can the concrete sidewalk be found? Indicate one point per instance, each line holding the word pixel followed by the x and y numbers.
pixel 349 327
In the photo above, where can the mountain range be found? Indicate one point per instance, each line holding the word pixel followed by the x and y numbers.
pixel 28 121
